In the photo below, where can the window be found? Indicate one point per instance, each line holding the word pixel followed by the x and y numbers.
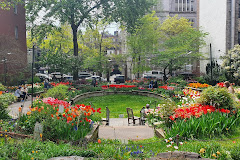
pixel 15 9
pixel 16 32
pixel 184 5
pixel 239 10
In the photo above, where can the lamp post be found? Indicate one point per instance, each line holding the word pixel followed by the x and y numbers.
pixel 5 68
pixel 32 72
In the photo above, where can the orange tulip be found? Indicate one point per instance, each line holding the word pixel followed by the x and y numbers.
pixel 99 141
pixel 69 119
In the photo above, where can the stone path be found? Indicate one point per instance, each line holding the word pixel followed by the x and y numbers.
pixel 118 129
pixel 13 108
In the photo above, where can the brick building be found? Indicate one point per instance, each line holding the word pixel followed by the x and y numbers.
pixel 13 49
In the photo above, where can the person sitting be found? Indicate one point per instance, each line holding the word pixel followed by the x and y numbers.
pixel 147 110
pixel 18 93
pixel 229 87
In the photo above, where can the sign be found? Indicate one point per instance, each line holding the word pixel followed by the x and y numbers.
pixel 61 109
pixel 38 130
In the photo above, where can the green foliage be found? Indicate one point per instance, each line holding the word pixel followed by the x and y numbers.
pixel 35 80
pixel 144 41
pixel 231 63
pixel 179 80
pixel 209 125
pixel 59 92
pixel 5 100
pixel 36 89
pixel 218 97
pixel 179 43
pixel 2 87
pixel 28 149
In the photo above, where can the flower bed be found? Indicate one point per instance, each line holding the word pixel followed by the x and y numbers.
pixel 59 123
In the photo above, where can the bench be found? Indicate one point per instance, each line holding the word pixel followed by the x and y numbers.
pixel 107 117
pixel 132 117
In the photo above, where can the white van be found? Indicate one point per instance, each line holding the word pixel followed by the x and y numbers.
pixel 154 74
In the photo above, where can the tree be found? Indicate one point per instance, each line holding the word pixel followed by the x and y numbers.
pixel 56 49
pixel 95 45
pixel 5 4
pixel 231 63
pixel 179 43
pixel 76 12
pixel 144 42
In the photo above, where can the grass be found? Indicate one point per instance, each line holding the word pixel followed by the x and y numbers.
pixel 228 147
pixel 117 104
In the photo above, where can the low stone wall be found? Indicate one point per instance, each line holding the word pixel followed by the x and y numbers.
pixel 104 93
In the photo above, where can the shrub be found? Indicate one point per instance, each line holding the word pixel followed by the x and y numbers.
pixel 5 100
pixel 35 80
pixel 218 97
pixel 59 92
pixel 2 87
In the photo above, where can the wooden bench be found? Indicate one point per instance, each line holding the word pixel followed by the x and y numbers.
pixel 107 117
pixel 132 117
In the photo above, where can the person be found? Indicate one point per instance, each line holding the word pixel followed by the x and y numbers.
pixel 18 93
pixel 155 84
pixel 46 84
pixel 24 91
pixel 151 84
pixel 147 110
pixel 229 87
pixel 94 82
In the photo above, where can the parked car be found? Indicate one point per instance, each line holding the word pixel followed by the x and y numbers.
pixel 154 74
pixel 57 75
pixel 119 79
pixel 43 76
pixel 82 75
pixel 98 78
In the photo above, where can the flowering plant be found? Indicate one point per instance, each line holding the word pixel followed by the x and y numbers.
pixel 59 119
pixel 198 85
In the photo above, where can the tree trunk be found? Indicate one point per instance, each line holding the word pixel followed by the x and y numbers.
pixel 75 49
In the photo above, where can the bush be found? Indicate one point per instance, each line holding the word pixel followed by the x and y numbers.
pixel 59 92
pixel 35 80
pixel 218 97
pixel 5 100
pixel 2 87
pixel 179 80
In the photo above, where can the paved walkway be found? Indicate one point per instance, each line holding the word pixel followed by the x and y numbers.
pixel 13 108
pixel 118 129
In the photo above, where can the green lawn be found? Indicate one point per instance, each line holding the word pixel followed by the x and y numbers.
pixel 117 104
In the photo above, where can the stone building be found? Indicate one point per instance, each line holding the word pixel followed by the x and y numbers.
pixel 13 49
pixel 222 26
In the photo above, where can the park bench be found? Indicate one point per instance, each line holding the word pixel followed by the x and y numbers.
pixel 131 116
pixel 107 117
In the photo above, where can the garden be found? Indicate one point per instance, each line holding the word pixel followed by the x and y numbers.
pixel 195 117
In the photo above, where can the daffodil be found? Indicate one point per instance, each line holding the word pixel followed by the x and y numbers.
pixel 218 152
pixel 202 150
pixel 214 155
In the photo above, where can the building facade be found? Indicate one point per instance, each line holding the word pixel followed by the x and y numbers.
pixel 13 48
pixel 222 27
